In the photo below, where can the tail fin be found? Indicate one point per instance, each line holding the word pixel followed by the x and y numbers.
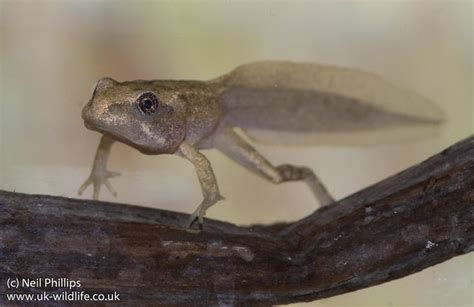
pixel 306 104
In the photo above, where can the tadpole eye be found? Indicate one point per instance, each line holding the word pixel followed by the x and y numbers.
pixel 147 103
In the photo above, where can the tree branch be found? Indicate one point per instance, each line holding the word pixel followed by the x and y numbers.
pixel 413 220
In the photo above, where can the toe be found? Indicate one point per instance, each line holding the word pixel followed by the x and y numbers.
pixel 191 220
pixel 96 190
pixel 110 188
pixel 83 187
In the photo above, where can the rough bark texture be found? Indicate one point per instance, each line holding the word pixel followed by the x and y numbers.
pixel 413 220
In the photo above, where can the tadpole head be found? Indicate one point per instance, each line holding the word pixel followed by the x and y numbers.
pixel 143 114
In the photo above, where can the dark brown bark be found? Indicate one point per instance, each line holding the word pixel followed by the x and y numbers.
pixel 413 220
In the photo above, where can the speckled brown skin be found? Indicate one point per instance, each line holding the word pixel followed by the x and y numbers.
pixel 290 99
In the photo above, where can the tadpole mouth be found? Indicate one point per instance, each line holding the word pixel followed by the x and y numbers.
pixel 88 126
pixel 90 120
pixel 96 127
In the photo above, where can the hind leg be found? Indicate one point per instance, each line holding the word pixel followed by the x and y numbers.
pixel 236 148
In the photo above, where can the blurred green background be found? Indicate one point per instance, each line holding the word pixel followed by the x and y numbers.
pixel 52 52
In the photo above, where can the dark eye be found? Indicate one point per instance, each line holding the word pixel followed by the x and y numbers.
pixel 147 103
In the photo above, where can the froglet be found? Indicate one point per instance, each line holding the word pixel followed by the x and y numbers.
pixel 275 102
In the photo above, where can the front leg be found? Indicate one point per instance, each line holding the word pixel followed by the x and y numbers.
pixel 99 174
pixel 210 190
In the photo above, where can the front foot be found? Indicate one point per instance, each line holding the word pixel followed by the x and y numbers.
pixel 200 211
pixel 96 179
